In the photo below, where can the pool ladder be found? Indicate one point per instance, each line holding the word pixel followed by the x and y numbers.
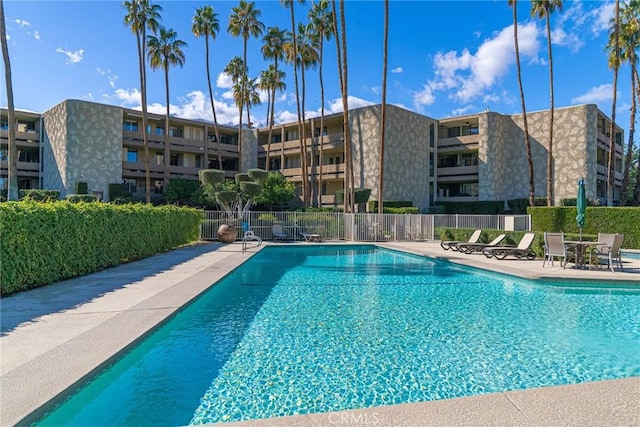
pixel 249 237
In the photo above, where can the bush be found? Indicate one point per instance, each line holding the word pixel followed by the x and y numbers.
pixel 372 206
pixel 40 195
pixel 82 187
pixel 405 210
pixel 71 239
pixel 75 198
pixel 473 208
pixel 623 220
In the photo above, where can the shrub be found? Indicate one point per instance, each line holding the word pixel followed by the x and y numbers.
pixel 40 195
pixel 71 239
pixel 75 198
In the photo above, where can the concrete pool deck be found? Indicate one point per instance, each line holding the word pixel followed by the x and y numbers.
pixel 55 337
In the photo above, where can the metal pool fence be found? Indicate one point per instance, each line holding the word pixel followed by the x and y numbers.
pixel 360 227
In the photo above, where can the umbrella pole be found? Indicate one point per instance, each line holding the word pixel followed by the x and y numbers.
pixel 581 234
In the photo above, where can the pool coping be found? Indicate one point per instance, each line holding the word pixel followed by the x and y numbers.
pixel 67 345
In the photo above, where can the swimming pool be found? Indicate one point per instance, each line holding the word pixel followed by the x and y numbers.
pixel 302 329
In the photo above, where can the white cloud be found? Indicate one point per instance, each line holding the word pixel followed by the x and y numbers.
pixel 570 40
pixel 224 81
pixel 22 22
pixel 335 106
pixel 464 110
pixel 601 17
pixel 128 97
pixel 397 70
pixel 469 75
pixel 72 57
pixel 110 76
pixel 36 35
pixel 602 93
pixel 424 97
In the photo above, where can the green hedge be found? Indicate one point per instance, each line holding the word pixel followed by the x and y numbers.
pixel 623 220
pixel 40 195
pixel 372 205
pixel 44 243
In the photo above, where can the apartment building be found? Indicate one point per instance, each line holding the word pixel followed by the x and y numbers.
pixel 483 156
pixel 467 158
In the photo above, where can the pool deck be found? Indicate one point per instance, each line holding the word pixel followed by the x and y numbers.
pixel 54 337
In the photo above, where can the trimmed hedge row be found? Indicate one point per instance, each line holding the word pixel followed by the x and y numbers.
pixel 623 220
pixel 47 242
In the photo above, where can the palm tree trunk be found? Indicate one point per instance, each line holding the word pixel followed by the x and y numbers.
pixel 345 104
pixel 383 111
pixel 321 139
pixel 213 109
pixel 167 152
pixel 550 192
pixel 142 49
pixel 612 139
pixel 12 190
pixel 527 142
pixel 240 105
pixel 272 93
pixel 342 92
pixel 305 173
pixel 295 74
pixel 632 127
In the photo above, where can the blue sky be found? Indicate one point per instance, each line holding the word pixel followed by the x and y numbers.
pixel 445 58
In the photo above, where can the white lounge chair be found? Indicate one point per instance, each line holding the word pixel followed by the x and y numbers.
pixel 451 244
pixel 523 250
pixel 469 248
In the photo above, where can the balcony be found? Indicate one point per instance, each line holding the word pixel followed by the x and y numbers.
pixel 457 171
pixel 30 136
pixel 458 144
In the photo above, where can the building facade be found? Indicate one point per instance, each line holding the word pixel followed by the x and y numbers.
pixel 468 158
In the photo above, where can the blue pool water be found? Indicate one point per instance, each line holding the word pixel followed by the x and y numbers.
pixel 320 328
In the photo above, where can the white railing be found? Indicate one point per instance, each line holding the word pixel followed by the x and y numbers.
pixel 362 227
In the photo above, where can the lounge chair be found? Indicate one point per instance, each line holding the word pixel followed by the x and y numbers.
pixel 469 248
pixel 555 247
pixel 278 233
pixel 451 244
pixel 523 250
pixel 311 237
pixel 607 254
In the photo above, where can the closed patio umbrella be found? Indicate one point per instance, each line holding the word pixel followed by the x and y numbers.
pixel 581 206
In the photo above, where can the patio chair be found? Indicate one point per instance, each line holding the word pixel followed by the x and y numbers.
pixel 311 237
pixel 451 244
pixel 555 247
pixel 523 250
pixel 278 233
pixel 469 248
pixel 607 254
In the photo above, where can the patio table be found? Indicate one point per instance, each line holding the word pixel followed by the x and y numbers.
pixel 581 249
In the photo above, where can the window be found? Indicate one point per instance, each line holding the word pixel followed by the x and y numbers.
pixel 211 137
pixel 448 161
pixel 431 135
pixel 198 160
pixel 276 138
pixel 324 131
pixel 291 135
pixel 469 189
pixel 130 185
pixel 174 160
pixel 132 156
pixel 229 139
pixel 159 158
pixel 4 183
pixel 4 155
pixel 431 165
pixel 175 132
pixel 159 130
pixel 29 156
pixel 453 132
pixel 131 125
pixel 157 187
pixel 473 129
pixel 470 159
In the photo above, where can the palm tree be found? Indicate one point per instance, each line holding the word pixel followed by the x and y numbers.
pixel 341 38
pixel 271 80
pixel 273 48
pixel 205 23
pixel 527 141
pixel 164 51
pixel 544 9
pixel 385 49
pixel 322 28
pixel 236 69
pixel 614 62
pixel 307 57
pixel 12 190
pixel 244 22
pixel 629 40
pixel 251 96
pixel 289 4
pixel 142 15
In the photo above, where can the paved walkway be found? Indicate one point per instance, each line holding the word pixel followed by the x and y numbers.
pixel 55 336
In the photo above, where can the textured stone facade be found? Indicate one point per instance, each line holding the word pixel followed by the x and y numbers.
pixel 82 141
pixel 503 167
pixel 407 151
